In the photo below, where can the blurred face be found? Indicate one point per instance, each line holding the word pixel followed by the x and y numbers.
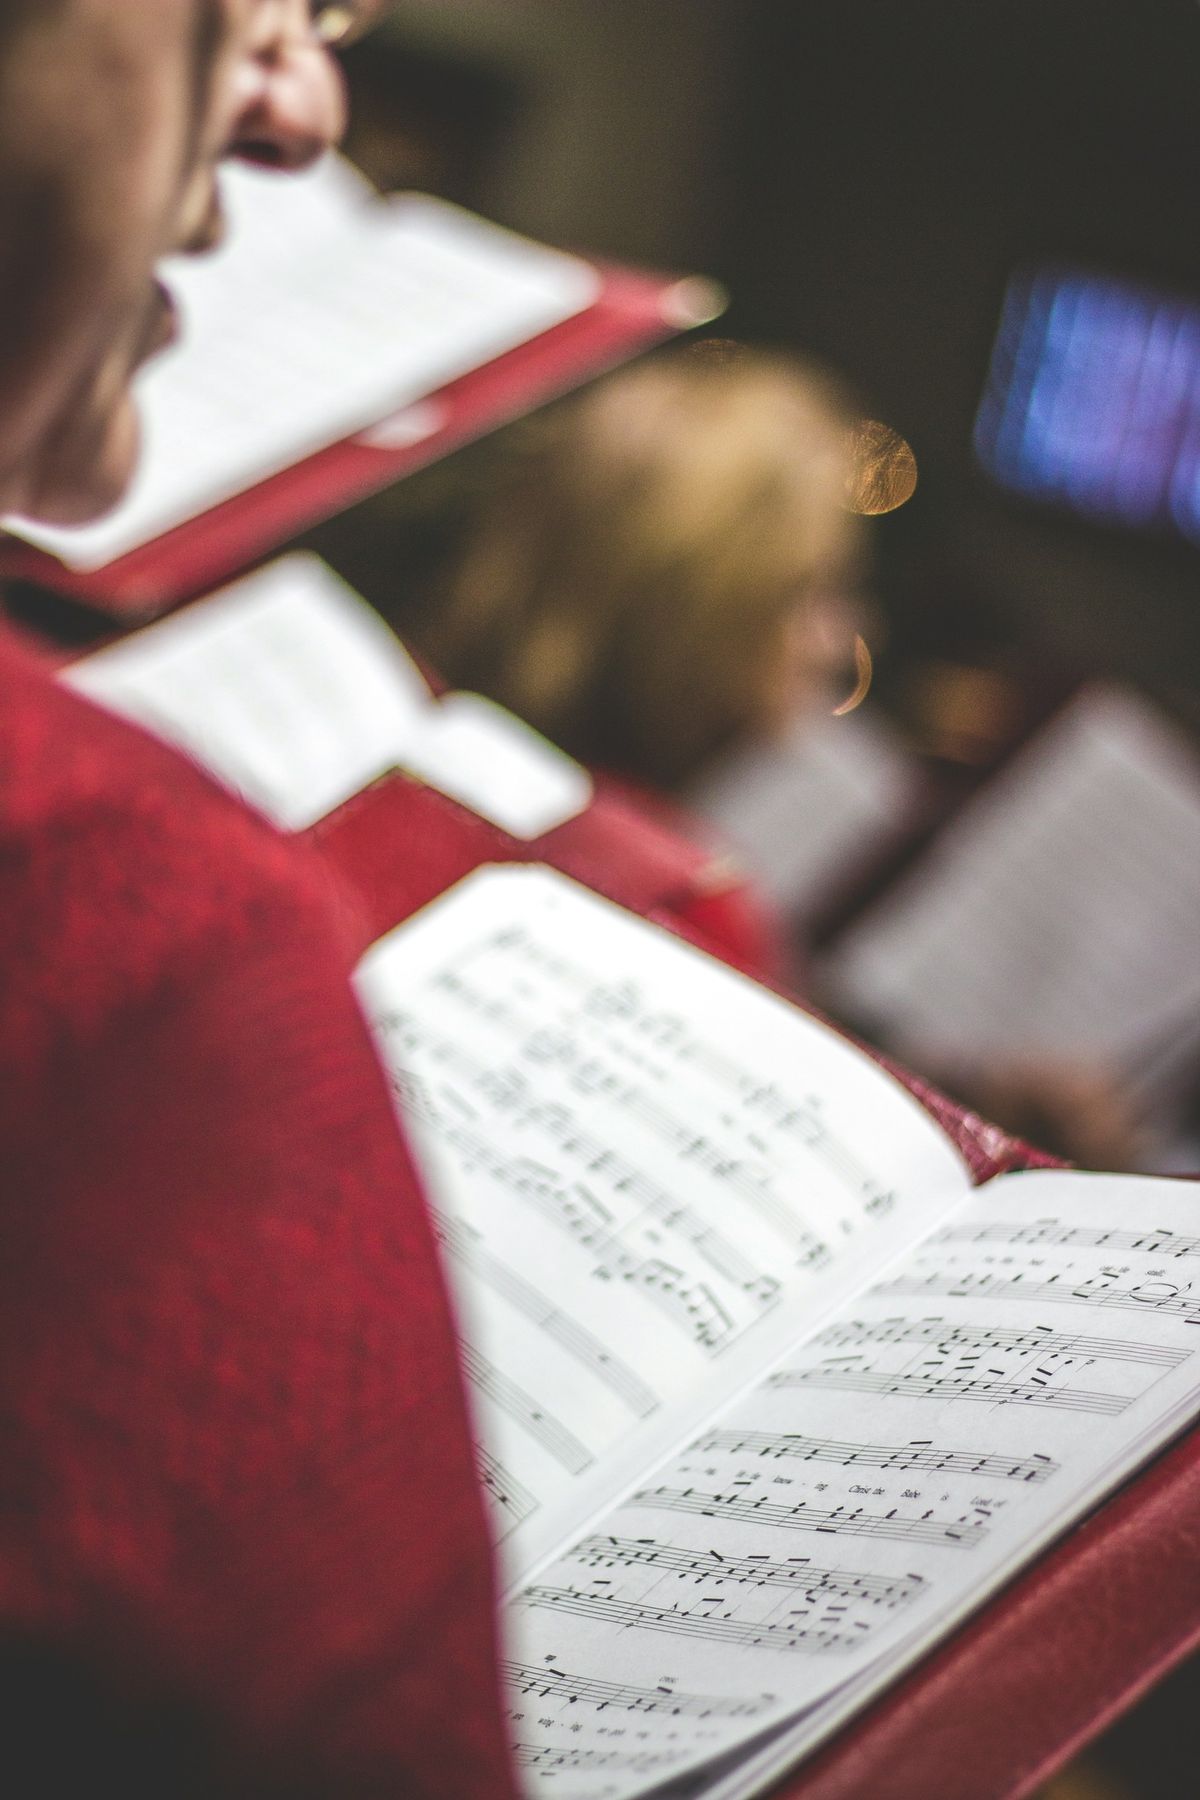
pixel 114 115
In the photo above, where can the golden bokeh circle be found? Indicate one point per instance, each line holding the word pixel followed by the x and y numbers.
pixel 883 469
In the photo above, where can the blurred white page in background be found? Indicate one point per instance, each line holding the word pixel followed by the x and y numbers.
pixel 291 690
pixel 326 310
pixel 807 813
pixel 1059 914
pixel 494 763
pixel 286 686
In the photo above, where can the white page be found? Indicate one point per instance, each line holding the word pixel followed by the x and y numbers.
pixel 640 1163
pixel 1061 913
pixel 291 690
pixel 807 813
pixel 881 1481
pixel 286 686
pixel 492 762
pixel 326 310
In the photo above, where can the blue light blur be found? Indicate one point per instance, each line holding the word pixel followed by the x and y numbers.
pixel 1093 399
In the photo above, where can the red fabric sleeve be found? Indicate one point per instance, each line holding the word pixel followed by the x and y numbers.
pixel 236 1472
pixel 700 882
pixel 744 930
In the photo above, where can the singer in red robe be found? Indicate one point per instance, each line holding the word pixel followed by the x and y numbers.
pixel 241 1546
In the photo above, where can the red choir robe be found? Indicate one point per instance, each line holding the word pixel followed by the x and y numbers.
pixel 241 1544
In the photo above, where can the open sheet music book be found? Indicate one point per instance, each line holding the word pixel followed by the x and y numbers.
pixel 1058 915
pixel 294 693
pixel 327 310
pixel 768 1398
pixel 813 811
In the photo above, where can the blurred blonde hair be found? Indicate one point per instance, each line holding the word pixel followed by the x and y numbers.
pixel 629 585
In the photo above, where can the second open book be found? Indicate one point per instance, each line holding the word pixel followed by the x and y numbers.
pixel 768 1397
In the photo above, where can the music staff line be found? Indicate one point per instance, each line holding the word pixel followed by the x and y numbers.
pixel 961 1534
pixel 688 1622
pixel 552 1683
pixel 535 1757
pixel 551 1433
pixel 812 1251
pixel 919 1454
pixel 1035 1340
pixel 1047 1232
pixel 800 1119
pixel 509 1092
pixel 798 1575
pixel 796 1118
pixel 507 1492
pixel 692 1307
pixel 580 1343
pixel 984 1388
pixel 1061 1293
pixel 587 1074
pixel 588 1080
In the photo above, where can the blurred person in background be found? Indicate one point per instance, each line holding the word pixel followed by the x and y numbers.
pixel 658 576
pixel 241 1546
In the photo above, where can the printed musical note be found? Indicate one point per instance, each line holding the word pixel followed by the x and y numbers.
pixel 920 1454
pixel 802 1120
pixel 1053 1231
pixel 693 1305
pixel 752 1181
pixel 1035 1341
pixel 553 1683
pixel 963 1534
pixel 509 1090
pixel 1161 1297
pixel 512 1501
pixel 792 1117
pixel 562 1444
pixel 797 1574
pixel 452 984
pixel 989 1389
pixel 568 1205
pixel 542 1757
pixel 694 1622
pixel 587 1349
pixel 797 1118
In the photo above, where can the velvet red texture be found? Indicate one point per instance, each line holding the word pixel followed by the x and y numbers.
pixel 234 1461
pixel 727 907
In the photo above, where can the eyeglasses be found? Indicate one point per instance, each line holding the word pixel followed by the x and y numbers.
pixel 340 22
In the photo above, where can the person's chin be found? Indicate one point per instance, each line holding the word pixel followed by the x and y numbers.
pixel 93 476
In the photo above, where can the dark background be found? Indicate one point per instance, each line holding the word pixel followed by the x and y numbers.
pixel 863 175
pixel 898 161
